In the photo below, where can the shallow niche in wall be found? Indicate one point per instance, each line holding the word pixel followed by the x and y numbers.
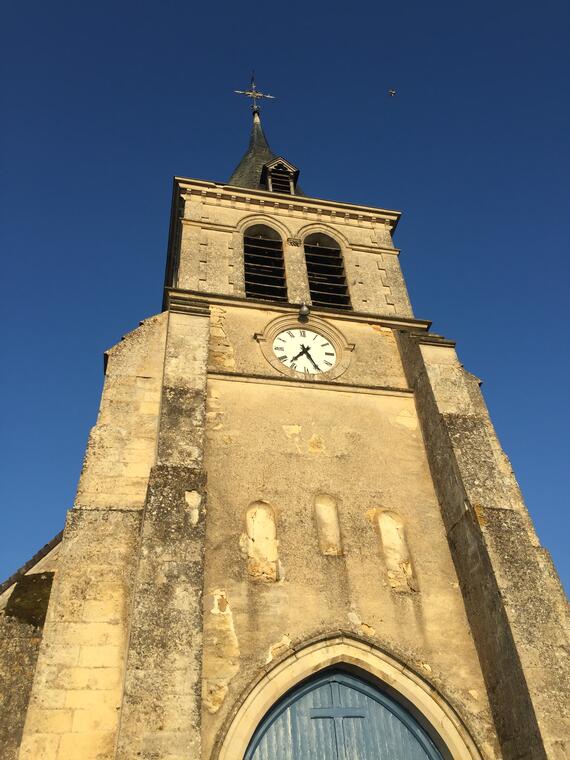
pixel 394 547
pixel 328 527
pixel 259 543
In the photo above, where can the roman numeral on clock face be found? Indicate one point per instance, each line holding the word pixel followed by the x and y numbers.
pixel 299 350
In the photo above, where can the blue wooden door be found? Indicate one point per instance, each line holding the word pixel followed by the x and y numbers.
pixel 337 716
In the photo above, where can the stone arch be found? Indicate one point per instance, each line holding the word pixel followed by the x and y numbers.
pixel 267 221
pixel 427 704
pixel 325 229
pixel 326 269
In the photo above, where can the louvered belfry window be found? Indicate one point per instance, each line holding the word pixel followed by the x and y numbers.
pixel 263 264
pixel 280 180
pixel 325 269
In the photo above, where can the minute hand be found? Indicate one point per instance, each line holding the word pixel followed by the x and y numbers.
pixel 310 358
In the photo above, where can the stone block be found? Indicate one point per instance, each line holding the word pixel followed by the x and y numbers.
pixel 44 721
pixel 40 747
pixel 96 745
pixel 98 717
pixel 101 656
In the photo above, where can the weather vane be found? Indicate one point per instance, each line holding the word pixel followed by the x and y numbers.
pixel 254 94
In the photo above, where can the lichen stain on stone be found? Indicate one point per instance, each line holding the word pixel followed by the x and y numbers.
pixel 279 648
pixel 316 445
pixel 479 514
pixel 293 433
pixel 386 332
pixel 221 650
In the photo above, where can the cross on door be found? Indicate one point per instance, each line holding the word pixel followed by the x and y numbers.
pixel 337 713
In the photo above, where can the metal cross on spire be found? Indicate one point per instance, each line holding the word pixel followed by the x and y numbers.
pixel 254 94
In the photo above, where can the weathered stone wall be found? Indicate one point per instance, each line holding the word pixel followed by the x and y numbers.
pixel 160 716
pixel 276 452
pixel 22 615
pixel 76 694
pixel 516 607
pixel 375 360
pixel 122 445
pixel 212 220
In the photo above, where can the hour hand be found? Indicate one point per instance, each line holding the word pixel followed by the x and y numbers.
pixel 301 352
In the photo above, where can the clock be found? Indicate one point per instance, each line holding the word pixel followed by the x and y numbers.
pixel 304 350
pixel 313 349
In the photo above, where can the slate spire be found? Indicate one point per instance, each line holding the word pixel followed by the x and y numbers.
pixel 248 171
pixel 260 168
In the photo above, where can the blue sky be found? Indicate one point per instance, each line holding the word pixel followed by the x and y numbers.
pixel 103 103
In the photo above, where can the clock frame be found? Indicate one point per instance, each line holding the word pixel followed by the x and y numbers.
pixel 342 347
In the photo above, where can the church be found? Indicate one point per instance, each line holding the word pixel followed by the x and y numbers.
pixel 295 534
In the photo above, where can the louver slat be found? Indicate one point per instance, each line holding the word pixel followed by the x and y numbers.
pixel 264 269
pixel 280 180
pixel 327 281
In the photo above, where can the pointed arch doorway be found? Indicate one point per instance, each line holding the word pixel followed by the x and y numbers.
pixel 348 654
pixel 337 715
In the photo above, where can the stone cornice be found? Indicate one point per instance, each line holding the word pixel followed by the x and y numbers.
pixel 198 302
pixel 301 204
pixel 180 302
pixel 432 339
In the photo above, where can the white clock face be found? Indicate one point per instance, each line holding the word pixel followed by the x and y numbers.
pixel 304 351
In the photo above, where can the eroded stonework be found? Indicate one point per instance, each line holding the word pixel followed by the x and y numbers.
pixel 237 529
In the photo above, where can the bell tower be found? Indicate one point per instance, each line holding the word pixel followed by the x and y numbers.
pixel 295 533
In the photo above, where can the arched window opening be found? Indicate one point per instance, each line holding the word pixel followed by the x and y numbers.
pixel 325 270
pixel 263 264
pixel 337 715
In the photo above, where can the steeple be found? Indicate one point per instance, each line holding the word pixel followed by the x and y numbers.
pixel 260 168
pixel 248 171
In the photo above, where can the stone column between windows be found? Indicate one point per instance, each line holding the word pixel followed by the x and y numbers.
pixel 296 271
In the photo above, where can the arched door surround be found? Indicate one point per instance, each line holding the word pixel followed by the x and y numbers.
pixel 352 655
pixel 337 715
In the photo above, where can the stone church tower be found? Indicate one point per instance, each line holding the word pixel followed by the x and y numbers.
pixel 296 535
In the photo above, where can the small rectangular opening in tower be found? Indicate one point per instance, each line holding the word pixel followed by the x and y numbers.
pixel 280 180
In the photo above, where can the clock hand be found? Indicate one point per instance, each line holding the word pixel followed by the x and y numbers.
pixel 310 358
pixel 301 352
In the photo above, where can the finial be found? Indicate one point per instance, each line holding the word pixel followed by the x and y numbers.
pixel 254 94
pixel 304 312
